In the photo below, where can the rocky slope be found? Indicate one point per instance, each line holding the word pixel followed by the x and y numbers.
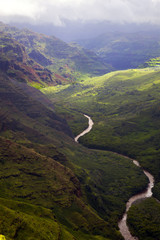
pixel 17 64
pixel 68 61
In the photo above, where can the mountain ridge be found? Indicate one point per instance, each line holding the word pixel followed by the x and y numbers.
pixel 125 50
pixel 59 57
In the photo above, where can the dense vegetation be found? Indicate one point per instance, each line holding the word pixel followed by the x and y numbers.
pixel 144 219
pixel 124 106
pixel 40 168
pixel 50 186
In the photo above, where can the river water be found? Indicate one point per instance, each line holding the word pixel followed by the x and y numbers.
pixel 90 125
pixel 145 194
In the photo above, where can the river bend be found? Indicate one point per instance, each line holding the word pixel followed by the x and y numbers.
pixel 145 194
pixel 87 130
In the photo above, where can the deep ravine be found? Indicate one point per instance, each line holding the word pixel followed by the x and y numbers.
pixel 145 194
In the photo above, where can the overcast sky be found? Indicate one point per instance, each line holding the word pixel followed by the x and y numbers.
pixel 54 11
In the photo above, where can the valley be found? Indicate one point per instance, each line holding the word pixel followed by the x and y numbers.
pixel 122 224
pixel 122 105
pixel 54 185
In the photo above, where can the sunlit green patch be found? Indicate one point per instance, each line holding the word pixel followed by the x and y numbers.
pixel 2 237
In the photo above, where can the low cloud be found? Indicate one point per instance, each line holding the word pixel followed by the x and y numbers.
pixel 54 11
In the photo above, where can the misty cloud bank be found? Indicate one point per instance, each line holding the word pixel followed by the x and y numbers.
pixel 54 11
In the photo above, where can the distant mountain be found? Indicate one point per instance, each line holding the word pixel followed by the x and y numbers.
pixel 125 50
pixel 63 59
pixel 71 30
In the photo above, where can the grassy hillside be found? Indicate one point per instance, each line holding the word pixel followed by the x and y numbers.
pixel 125 108
pixel 54 192
pixel 31 178
pixel 153 62
pixel 32 170
pixel 23 179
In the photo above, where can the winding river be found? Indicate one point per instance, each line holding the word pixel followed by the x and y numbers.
pixel 87 130
pixel 145 194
